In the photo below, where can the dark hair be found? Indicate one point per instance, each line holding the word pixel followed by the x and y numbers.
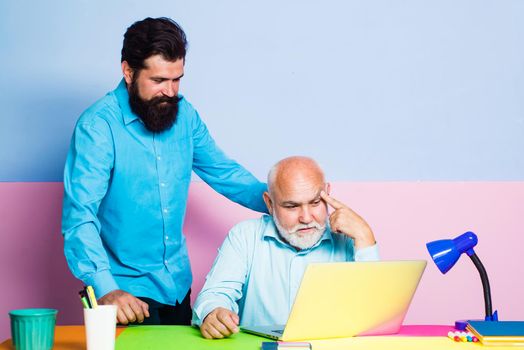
pixel 153 36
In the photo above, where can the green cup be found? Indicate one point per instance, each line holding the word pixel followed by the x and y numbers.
pixel 33 329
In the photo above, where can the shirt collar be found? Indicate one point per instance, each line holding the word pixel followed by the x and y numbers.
pixel 272 231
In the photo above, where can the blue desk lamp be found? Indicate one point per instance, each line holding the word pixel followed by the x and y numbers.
pixel 445 254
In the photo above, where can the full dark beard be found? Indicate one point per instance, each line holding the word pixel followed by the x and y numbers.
pixel 158 114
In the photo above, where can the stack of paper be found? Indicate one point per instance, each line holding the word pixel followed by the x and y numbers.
pixel 501 333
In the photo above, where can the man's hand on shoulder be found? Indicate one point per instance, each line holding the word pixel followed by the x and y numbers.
pixel 130 308
pixel 346 221
pixel 219 323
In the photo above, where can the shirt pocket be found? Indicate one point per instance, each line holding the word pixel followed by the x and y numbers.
pixel 180 155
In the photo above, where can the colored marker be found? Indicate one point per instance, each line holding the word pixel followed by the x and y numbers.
pixel 91 296
pixel 85 303
pixel 84 299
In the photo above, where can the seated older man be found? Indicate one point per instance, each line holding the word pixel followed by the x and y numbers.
pixel 256 274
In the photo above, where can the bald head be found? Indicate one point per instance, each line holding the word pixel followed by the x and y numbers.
pixel 293 170
pixel 294 200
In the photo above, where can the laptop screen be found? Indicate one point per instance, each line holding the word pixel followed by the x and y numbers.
pixel 353 298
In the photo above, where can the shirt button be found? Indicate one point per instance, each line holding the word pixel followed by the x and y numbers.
pixel 165 210
pixel 165 262
pixel 162 184
pixel 158 158
pixel 167 238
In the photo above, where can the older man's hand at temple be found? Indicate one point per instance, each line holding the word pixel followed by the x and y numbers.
pixel 344 220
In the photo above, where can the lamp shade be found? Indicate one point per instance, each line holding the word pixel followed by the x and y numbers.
pixel 446 252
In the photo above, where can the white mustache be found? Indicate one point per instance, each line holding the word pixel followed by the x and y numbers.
pixel 315 225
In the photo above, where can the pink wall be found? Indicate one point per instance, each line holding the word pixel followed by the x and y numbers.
pixel 404 216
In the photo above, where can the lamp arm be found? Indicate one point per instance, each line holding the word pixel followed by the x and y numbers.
pixel 485 285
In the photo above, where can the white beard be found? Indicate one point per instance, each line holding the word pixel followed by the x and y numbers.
pixel 301 241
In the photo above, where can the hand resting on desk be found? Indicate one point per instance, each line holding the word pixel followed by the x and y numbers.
pixel 219 323
pixel 130 308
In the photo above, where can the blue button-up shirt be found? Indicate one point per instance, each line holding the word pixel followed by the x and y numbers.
pixel 125 197
pixel 256 274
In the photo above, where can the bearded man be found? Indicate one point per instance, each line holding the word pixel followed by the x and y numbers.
pixel 126 182
pixel 256 275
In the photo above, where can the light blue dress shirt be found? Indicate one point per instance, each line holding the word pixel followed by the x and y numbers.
pixel 125 194
pixel 256 274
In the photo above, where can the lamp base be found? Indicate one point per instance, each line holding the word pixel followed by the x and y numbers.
pixel 494 317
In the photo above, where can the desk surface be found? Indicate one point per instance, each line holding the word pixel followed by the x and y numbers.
pixel 158 337
pixel 66 338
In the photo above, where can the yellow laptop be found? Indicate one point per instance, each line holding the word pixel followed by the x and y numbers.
pixel 347 299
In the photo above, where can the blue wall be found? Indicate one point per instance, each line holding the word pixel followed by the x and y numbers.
pixel 375 90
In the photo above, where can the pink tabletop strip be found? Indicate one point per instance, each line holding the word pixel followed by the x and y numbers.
pixel 424 331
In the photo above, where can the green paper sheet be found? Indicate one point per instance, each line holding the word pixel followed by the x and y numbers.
pixel 181 337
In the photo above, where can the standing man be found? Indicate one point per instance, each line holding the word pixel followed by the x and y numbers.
pixel 126 182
